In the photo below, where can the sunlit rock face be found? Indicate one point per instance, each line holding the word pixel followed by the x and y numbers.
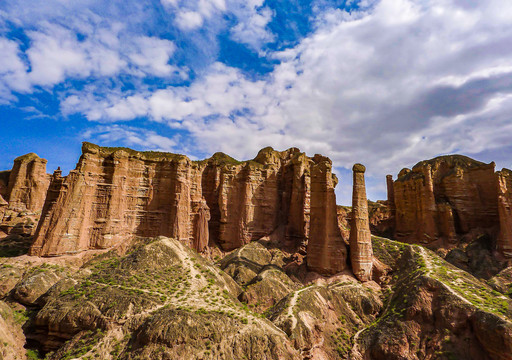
pixel 361 253
pixel 445 197
pixel 115 193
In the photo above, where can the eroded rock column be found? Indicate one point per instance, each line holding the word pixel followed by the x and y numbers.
pixel 327 253
pixel 361 252
pixel 504 243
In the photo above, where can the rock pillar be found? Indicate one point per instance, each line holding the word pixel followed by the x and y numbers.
pixel 361 252
pixel 327 253
pixel 504 243
pixel 201 236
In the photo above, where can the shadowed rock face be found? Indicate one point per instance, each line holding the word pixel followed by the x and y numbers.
pixel 445 197
pixel 361 253
pixel 115 192
pixel 505 211
pixel 326 251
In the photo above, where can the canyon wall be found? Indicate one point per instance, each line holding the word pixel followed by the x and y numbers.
pixel 115 193
pixel 449 196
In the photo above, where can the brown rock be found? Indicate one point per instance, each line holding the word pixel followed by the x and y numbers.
pixel 201 235
pixel 115 193
pixel 444 197
pixel 504 244
pixel 326 250
pixel 3 207
pixel 361 253
pixel 28 183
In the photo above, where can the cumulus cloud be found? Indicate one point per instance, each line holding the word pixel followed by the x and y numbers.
pixel 251 17
pixel 142 139
pixel 388 85
pixel 406 80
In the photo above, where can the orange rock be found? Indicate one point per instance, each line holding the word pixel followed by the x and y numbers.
pixel 115 193
pixel 504 244
pixel 27 183
pixel 326 250
pixel 445 197
pixel 361 252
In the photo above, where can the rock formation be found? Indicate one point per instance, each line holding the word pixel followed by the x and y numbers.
pixel 27 184
pixel 443 197
pixel 115 193
pixel 326 249
pixel 201 232
pixel 505 211
pixel 361 253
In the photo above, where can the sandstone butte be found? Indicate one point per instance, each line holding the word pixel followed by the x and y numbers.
pixel 447 197
pixel 115 193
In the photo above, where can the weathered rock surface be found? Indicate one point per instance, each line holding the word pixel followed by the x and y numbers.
pixel 115 193
pixel 28 183
pixel 36 283
pixel 12 339
pixel 505 211
pixel 361 253
pixel 435 310
pixel 161 300
pixel 326 250
pixel 442 198
pixel 262 273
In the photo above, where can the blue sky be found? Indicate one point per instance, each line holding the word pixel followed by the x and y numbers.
pixel 386 83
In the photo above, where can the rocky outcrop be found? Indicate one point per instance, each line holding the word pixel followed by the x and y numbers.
pixel 115 193
pixel 504 243
pixel 28 183
pixel 326 250
pixel 361 253
pixel 444 197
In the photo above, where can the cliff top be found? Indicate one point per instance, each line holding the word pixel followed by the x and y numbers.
pixel 28 157
pixel 265 156
pixel 451 161
pixel 88 147
pixel 441 166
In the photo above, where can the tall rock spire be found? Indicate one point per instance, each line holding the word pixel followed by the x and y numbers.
pixel 361 252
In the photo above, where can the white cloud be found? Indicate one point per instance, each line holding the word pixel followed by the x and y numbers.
pixel 56 54
pixel 139 138
pixel 251 17
pixel 12 70
pixel 189 20
pixel 405 81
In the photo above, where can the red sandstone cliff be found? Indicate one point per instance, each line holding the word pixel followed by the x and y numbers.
pixel 445 197
pixel 28 182
pixel 505 211
pixel 115 193
pixel 22 193
pixel 326 249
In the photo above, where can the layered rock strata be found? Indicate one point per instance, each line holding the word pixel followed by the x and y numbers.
pixel 361 253
pixel 443 197
pixel 28 183
pixel 115 193
pixel 326 250
pixel 504 243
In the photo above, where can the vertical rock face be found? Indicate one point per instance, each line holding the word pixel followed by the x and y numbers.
pixel 28 183
pixel 115 193
pixel 505 211
pixel 326 249
pixel 443 197
pixel 361 253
